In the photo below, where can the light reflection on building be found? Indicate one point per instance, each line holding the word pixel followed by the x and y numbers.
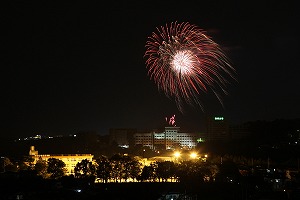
pixel 170 139
pixel 69 159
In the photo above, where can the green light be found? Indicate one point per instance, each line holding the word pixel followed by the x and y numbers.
pixel 219 118
pixel 200 140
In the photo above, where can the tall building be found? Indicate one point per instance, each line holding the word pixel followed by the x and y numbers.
pixel 69 159
pixel 217 129
pixel 170 138
pixel 144 139
pixel 123 137
pixel 174 138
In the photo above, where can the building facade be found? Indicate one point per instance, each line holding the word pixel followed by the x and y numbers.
pixel 123 137
pixel 69 159
pixel 217 129
pixel 170 138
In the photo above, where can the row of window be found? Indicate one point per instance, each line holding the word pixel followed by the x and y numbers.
pixel 172 139
pixel 162 136
pixel 187 142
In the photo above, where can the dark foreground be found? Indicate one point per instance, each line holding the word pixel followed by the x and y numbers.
pixel 39 189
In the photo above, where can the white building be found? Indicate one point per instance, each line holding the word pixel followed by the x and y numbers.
pixel 168 139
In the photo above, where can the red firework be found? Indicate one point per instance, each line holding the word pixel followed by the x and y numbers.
pixel 184 62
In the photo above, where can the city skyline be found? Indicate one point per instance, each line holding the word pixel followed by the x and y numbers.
pixel 80 67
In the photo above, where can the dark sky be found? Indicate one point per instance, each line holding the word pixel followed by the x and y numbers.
pixel 79 66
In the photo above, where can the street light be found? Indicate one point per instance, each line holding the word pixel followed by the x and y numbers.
pixel 204 158
pixel 177 154
pixel 193 155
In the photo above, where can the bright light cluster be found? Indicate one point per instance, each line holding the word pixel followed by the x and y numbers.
pixel 184 62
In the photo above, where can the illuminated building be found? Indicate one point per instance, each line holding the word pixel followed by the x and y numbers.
pixel 170 138
pixel 144 139
pixel 69 159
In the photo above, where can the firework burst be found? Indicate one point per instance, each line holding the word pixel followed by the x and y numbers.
pixel 184 63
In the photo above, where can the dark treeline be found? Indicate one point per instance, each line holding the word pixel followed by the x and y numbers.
pixel 278 140
pixel 233 178
pixel 274 132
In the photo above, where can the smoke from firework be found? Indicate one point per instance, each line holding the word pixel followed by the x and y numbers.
pixel 184 63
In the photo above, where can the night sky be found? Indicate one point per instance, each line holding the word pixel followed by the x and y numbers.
pixel 79 66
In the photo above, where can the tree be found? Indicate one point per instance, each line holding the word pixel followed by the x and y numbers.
pixel 116 167
pixel 41 168
pixel 85 169
pixel 8 165
pixel 29 161
pixel 22 166
pixel 124 167
pixel 104 169
pixel 184 171
pixel 135 169
pixel 56 168
pixel 165 170
pixel 26 163
pixel 147 173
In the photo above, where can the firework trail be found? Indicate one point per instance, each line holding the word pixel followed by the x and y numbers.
pixel 184 63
